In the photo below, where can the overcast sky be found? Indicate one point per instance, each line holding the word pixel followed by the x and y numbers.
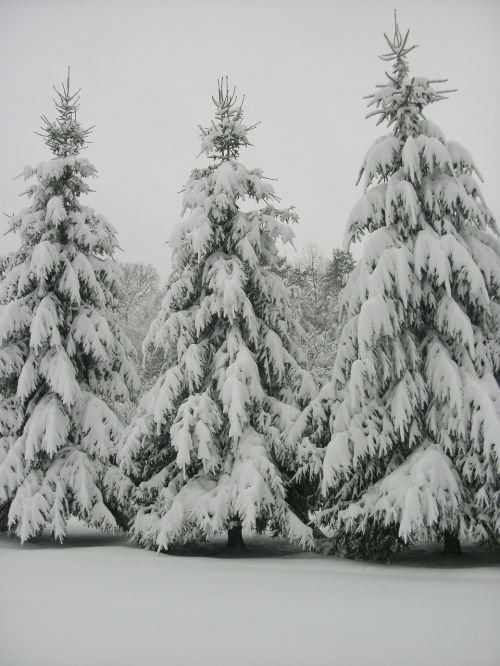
pixel 148 68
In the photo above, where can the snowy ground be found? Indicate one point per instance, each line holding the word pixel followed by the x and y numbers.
pixel 95 601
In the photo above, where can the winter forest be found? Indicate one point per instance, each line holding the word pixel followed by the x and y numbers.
pixel 333 405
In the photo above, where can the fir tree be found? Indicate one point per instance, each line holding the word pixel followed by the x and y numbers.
pixel 411 420
pixel 207 441
pixel 63 360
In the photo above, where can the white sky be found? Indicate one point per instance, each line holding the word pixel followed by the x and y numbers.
pixel 148 69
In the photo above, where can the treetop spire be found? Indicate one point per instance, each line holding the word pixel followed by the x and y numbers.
pixel 398 51
pixel 65 136
pixel 400 102
pixel 227 133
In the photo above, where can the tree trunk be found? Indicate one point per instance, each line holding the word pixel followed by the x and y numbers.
pixel 235 538
pixel 452 544
pixel 4 518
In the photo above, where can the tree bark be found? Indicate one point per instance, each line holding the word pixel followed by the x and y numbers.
pixel 452 544
pixel 235 538
pixel 4 518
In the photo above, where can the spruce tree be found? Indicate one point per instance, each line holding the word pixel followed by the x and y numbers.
pixel 207 445
pixel 411 419
pixel 64 362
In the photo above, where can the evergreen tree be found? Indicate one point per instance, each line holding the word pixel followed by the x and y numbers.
pixel 207 441
pixel 338 268
pixel 63 360
pixel 411 420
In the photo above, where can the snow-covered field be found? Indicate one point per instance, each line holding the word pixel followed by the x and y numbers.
pixel 96 601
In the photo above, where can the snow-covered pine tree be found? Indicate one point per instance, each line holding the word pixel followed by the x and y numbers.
pixel 412 417
pixel 63 359
pixel 207 441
